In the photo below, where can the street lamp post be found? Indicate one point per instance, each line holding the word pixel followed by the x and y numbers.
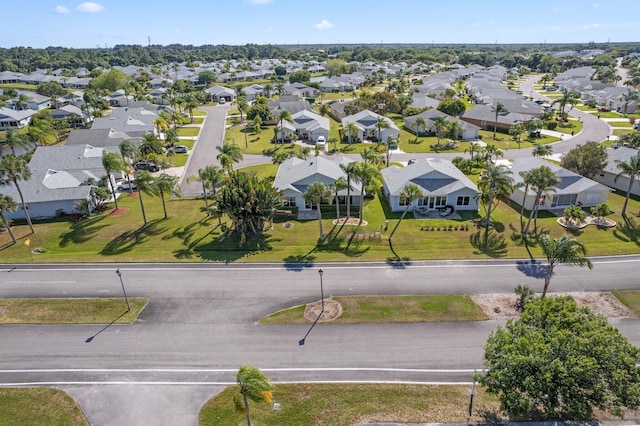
pixel 301 341
pixel 119 274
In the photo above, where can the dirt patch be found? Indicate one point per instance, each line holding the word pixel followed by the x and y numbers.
pixel 119 211
pixel 502 306
pixel 287 225
pixel 332 310
pixel 133 194
pixel 350 221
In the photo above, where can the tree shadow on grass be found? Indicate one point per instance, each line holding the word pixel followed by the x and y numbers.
pixel 496 245
pixel 227 249
pixel 627 231
pixel 347 245
pixel 126 241
pixel 82 231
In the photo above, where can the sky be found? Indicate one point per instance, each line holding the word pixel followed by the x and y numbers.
pixel 72 23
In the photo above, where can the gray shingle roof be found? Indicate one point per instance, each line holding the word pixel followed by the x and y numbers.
pixel 435 176
pixel 294 171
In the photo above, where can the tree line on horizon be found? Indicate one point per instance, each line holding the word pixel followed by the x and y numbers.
pixel 534 56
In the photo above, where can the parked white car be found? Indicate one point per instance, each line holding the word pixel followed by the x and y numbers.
pixel 126 185
pixel 321 142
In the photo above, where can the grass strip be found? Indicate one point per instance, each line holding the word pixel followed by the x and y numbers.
pixel 350 404
pixel 70 311
pixel 631 298
pixel 39 407
pixel 391 309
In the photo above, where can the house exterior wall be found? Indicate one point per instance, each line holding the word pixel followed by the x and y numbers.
pixel 44 209
pixel 394 201
pixel 587 198
pixel 622 184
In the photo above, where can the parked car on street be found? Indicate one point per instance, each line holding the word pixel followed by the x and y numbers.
pixel 146 165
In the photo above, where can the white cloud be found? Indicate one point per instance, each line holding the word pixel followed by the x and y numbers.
pixel 594 26
pixel 259 1
pixel 62 10
pixel 323 25
pixel 90 7
pixel 595 5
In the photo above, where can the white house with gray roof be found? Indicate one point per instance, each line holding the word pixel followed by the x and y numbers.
pixel 307 125
pixel 468 131
pixel 366 121
pixel 295 175
pixel 611 170
pixel 573 189
pixel 12 119
pixel 441 183
pixel 58 180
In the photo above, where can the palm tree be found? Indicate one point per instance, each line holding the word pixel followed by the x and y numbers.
pixel 111 162
pixel 318 193
pixel 230 153
pixel 541 150
pixel 350 171
pixel 497 109
pixel 568 97
pixel 565 250
pixel 495 181
pixel 13 140
pixel 166 184
pixel 370 155
pixel 339 185
pixel 365 172
pixel 13 169
pixel 242 105
pixel 526 176
pixel 144 183
pixel 253 385
pixel 284 116
pixel 439 124
pixel 129 153
pixel 542 179
pixel 352 130
pixel 418 124
pixel 631 169
pixel 544 79
pixel 150 145
pixel 7 205
pixel 381 123
pixel 409 193
pixel 210 177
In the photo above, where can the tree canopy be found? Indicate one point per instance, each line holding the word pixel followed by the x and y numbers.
pixel 587 160
pixel 559 360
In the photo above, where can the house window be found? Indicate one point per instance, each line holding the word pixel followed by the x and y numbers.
pixel 289 201
pixel 403 201
pixel 423 202
pixel 435 202
pixel 463 200
pixel 564 200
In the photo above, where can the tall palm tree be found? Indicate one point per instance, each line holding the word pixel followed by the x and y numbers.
pixel 284 116
pixel 210 177
pixel 111 162
pixel 543 180
pixel 318 193
pixel 150 145
pixel 409 194
pixel 381 123
pixel 242 105
pixel 166 184
pixel 631 169
pixel 419 123
pixel 13 140
pixel 565 250
pixel 352 131
pixel 230 153
pixel 350 171
pixel 253 385
pixel 568 97
pixel 497 109
pixel 439 124
pixel 540 150
pixel 14 169
pixel 494 182
pixel 526 176
pixel 339 185
pixel 7 205
pixel 129 153
pixel 144 184
pixel 370 155
pixel 365 172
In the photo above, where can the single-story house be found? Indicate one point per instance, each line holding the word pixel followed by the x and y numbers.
pixel 366 121
pixel 573 189
pixel 442 184
pixel 468 131
pixel 216 93
pixel 295 175
pixel 68 112
pixel 58 180
pixel 611 170
pixel 301 90
pixel 485 118
pixel 309 125
pixel 12 119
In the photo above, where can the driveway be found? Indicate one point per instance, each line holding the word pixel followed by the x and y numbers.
pixel 204 150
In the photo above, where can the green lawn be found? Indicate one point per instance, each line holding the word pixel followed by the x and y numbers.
pixel 631 298
pixel 619 132
pixel 189 235
pixel 625 124
pixel 70 311
pixel 39 407
pixel 188 131
pixel 321 404
pixel 568 127
pixel 391 309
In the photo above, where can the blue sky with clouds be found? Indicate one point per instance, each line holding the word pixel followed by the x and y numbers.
pixel 71 23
